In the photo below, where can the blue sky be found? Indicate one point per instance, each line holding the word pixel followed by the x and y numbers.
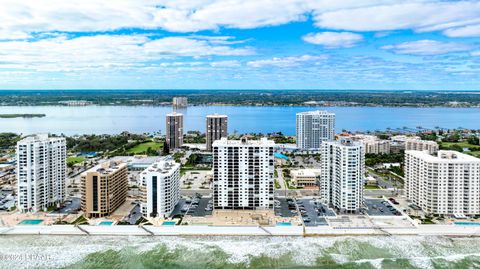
pixel 240 44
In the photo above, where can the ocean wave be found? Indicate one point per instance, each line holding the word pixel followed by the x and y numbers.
pixel 238 252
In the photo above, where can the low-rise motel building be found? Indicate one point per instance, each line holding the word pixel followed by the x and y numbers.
pixel 104 188
pixel 305 177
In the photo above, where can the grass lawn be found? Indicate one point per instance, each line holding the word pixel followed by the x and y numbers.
pixel 74 160
pixel 474 153
pixel 463 144
pixel 142 148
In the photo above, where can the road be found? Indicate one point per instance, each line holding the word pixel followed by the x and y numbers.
pixel 297 193
pixel 280 179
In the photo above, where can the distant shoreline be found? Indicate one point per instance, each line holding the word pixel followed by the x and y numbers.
pixel 326 98
pixel 236 105
pixel 9 116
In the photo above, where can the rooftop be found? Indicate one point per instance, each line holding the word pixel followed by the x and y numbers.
pixel 316 112
pixel 244 142
pixel 163 166
pixel 306 172
pixel 443 156
pixel 216 116
pixel 106 168
pixel 39 137
pixel 174 114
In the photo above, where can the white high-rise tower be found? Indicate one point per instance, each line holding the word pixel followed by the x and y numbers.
pixel 41 172
pixel 342 178
pixel 314 127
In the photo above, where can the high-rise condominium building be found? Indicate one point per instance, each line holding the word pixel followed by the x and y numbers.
pixel 41 172
pixel 174 135
pixel 421 145
pixel 342 178
pixel 314 127
pixel 243 174
pixel 447 183
pixel 160 188
pixel 216 129
pixel 104 188
pixel 180 102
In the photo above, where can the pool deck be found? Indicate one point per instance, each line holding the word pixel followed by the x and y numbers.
pixel 192 230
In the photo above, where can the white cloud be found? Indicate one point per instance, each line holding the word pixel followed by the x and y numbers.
pixel 475 53
pixel 286 61
pixel 182 46
pixel 466 31
pixel 233 63
pixel 428 47
pixel 418 15
pixel 21 18
pixel 105 51
pixel 334 39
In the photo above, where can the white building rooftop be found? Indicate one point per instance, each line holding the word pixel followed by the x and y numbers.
pixel 217 116
pixel 163 166
pixel 106 168
pixel 264 142
pixel 443 156
pixel 316 112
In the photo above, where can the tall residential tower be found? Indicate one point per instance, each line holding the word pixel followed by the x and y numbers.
pixel 314 127
pixel 104 188
pixel 342 178
pixel 41 172
pixel 243 174
pixel 447 183
pixel 216 129
pixel 174 130
pixel 179 102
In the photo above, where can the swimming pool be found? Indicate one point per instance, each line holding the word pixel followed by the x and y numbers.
pixel 169 223
pixel 31 222
pixel 466 223
pixel 106 223
pixel 284 224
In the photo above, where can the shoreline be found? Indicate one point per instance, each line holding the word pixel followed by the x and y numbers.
pixel 244 105
pixel 263 231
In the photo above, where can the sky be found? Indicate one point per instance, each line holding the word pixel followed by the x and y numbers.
pixel 240 44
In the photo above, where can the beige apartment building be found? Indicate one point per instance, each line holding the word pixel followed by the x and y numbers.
pixel 373 145
pixel 104 188
pixel 421 145
pixel 174 130
pixel 217 126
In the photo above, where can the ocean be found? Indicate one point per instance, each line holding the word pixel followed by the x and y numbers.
pixel 81 252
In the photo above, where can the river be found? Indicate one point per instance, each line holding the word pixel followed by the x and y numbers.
pixel 243 119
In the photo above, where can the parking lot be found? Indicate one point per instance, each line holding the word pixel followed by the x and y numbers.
pixel 380 207
pixel 200 207
pixel 284 209
pixel 196 206
pixel 134 215
pixel 313 212
pixel 69 207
